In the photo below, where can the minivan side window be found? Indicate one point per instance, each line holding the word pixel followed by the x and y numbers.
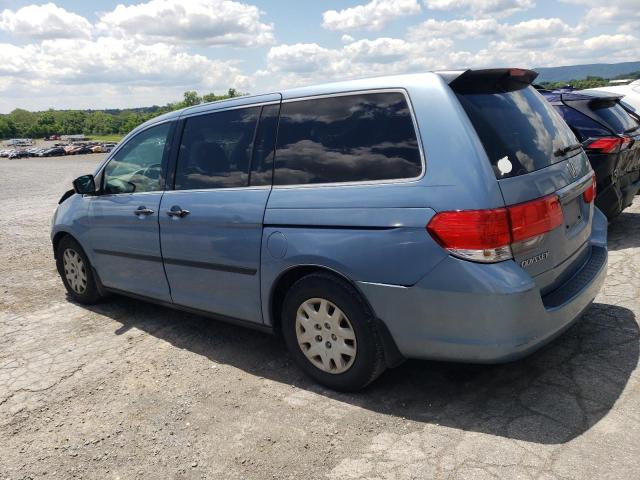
pixel 347 138
pixel 215 150
pixel 138 165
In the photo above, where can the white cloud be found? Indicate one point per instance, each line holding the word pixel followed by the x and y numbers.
pixel 565 51
pixel 299 58
pixel 538 33
pixel 301 64
pixel 501 8
pixel 310 63
pixel 536 28
pixel 44 21
pixel 611 43
pixel 194 22
pixel 595 3
pixel 371 16
pixel 115 70
pixel 623 13
pixel 453 29
pixel 144 53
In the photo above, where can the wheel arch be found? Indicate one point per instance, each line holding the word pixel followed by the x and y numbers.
pixel 57 238
pixel 287 278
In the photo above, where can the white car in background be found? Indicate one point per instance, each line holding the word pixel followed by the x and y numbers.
pixel 631 93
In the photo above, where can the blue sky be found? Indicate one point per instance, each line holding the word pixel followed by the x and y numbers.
pixel 101 54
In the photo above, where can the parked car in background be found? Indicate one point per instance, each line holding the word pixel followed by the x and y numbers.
pixel 630 94
pixel 442 215
pixel 611 138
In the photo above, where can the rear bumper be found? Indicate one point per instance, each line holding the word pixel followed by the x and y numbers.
pixel 629 192
pixel 613 197
pixel 469 312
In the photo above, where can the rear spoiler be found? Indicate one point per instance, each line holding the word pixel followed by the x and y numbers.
pixel 494 80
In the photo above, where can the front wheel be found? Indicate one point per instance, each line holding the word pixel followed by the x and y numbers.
pixel 76 272
pixel 331 332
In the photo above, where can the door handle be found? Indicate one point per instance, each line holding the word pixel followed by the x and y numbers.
pixel 142 210
pixel 176 211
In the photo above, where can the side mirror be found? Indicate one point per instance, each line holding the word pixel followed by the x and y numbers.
pixel 85 184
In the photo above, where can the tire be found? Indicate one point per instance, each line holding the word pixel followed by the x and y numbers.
pixel 76 272
pixel 323 314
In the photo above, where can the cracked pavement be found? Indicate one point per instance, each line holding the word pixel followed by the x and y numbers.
pixel 127 389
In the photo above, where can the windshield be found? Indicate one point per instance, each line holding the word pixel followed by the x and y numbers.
pixel 520 130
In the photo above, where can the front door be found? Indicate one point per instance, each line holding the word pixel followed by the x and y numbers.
pixel 124 233
pixel 211 224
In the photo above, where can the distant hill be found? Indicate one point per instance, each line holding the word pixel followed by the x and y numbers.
pixel 579 72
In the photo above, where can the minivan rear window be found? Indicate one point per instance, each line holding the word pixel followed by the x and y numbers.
pixel 520 130
pixel 346 138
pixel 615 116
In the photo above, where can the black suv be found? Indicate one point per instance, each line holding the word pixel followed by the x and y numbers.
pixel 611 137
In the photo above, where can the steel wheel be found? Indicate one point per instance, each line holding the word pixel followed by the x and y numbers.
pixel 74 271
pixel 325 335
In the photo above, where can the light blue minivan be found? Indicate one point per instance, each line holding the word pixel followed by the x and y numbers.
pixel 444 215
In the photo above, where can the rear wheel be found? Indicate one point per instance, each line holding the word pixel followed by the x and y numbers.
pixel 331 332
pixel 76 272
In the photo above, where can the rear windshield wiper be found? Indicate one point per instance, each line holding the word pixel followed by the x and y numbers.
pixel 632 129
pixel 564 150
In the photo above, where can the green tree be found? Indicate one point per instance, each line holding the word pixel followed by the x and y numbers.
pixel 99 123
pixel 7 128
pixel 72 122
pixel 210 97
pixel 191 98
pixel 22 123
pixel 46 123
pixel 130 122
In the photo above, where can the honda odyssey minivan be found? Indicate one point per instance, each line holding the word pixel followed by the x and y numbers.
pixel 445 215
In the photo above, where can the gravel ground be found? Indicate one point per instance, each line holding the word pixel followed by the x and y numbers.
pixel 131 390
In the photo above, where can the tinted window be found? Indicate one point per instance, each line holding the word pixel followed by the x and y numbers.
pixel 519 129
pixel 345 139
pixel 583 126
pixel 615 116
pixel 215 150
pixel 264 147
pixel 138 165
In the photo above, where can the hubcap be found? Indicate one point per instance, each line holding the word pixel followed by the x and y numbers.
pixel 74 270
pixel 325 335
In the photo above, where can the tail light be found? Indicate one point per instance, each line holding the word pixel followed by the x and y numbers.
pixel 608 144
pixel 534 218
pixel 487 235
pixel 590 193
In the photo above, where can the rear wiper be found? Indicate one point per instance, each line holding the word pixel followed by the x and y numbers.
pixel 632 129
pixel 564 150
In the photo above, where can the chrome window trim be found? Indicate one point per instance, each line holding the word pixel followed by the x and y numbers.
pixel 226 109
pixel 220 189
pixel 109 195
pixel 393 181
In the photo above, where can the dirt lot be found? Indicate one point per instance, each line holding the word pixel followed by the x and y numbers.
pixel 131 390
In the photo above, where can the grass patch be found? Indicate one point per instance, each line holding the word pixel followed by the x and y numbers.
pixel 105 138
